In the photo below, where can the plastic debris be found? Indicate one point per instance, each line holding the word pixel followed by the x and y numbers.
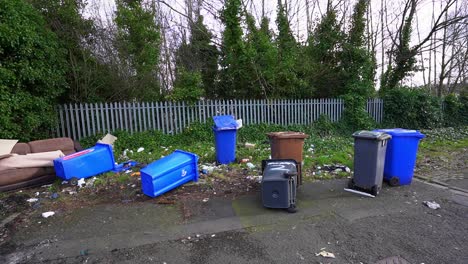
pixel 244 160
pixel 250 165
pixel 249 145
pixel 90 182
pixel 325 254
pixel 239 123
pixel 124 166
pixel 32 200
pixel 81 183
pixel 37 193
pixel 54 196
pixel 213 235
pixel 207 169
pixel 432 205
pixel 48 214
pixel 135 174
pixel 140 149
pixel 255 178
pixel 64 182
pixel 205 200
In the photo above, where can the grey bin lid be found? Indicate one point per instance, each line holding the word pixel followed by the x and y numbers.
pixel 366 134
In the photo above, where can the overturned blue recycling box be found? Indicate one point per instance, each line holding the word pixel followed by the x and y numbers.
pixel 169 172
pixel 85 163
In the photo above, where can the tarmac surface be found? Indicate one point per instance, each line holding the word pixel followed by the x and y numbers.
pixel 396 224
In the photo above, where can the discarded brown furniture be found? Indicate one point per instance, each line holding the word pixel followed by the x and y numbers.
pixel 11 179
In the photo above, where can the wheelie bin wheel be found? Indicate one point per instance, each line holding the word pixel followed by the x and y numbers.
pixel 292 209
pixel 394 181
pixel 351 184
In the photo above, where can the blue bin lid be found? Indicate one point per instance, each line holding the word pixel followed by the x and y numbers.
pixel 225 122
pixel 401 132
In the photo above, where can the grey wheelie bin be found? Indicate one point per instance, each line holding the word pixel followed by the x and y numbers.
pixel 369 161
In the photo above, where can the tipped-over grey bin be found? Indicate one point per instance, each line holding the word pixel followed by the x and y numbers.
pixel 369 160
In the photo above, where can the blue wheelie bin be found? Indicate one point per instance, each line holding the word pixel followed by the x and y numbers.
pixel 225 132
pixel 401 154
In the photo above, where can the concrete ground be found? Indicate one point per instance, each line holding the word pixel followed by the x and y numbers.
pixel 355 229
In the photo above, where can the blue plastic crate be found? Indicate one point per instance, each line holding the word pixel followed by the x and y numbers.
pixel 85 163
pixel 169 172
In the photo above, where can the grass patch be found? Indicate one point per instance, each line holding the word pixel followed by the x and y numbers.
pixel 327 144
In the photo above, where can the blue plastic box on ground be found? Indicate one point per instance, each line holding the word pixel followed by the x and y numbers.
pixel 169 172
pixel 401 155
pixel 85 163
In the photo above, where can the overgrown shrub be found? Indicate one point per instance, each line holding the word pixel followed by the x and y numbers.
pixel 453 111
pixel 411 108
pixel 355 116
pixel 31 72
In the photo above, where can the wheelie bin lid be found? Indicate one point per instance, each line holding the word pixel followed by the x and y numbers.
pixel 224 122
pixel 402 132
pixel 287 134
pixel 376 135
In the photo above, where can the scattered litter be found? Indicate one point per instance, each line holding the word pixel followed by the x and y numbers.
pixel 64 182
pixel 54 196
pixel 45 186
pixel 189 238
pixel 81 183
pixel 239 123
pixel 250 165
pixel 128 171
pixel 244 160
pixel 124 166
pixel 140 149
pixel 325 254
pixel 207 169
pixel 90 182
pixel 135 174
pixel 197 235
pixel 205 200
pixel 32 200
pixel 432 205
pixel 255 178
pixel 213 235
pixel 108 139
pixel 37 193
pixel 249 145
pixel 47 214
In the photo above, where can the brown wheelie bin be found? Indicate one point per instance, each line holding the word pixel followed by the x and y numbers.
pixel 288 145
